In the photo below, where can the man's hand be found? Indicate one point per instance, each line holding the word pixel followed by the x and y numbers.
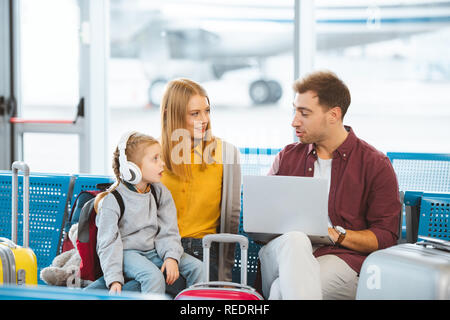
pixel 363 241
pixel 170 265
pixel 334 235
pixel 115 288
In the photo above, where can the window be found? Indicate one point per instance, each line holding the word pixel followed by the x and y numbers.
pixel 240 51
pixel 47 78
pixel 394 58
pixel 49 54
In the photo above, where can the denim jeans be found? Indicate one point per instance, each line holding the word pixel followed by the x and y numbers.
pixel 194 247
pixel 145 268
pixel 191 246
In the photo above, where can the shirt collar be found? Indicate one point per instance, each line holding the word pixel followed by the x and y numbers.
pixel 343 150
pixel 346 147
pixel 132 187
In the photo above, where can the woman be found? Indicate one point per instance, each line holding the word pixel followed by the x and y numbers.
pixel 202 172
pixel 203 175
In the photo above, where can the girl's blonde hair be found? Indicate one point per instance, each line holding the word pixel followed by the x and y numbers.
pixel 173 117
pixel 134 151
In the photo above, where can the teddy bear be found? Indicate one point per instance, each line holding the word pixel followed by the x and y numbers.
pixel 65 268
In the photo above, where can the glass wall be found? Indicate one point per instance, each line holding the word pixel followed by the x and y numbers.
pixel 240 51
pixel 48 79
pixel 49 56
pixel 395 58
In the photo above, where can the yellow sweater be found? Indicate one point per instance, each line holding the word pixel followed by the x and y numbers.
pixel 198 200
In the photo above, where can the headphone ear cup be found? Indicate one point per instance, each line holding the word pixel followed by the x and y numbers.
pixel 136 174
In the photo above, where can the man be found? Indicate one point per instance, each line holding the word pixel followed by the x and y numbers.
pixel 363 203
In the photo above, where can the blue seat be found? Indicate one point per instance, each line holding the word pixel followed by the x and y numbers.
pixel 48 200
pixel 434 214
pixel 424 172
pixel 88 182
pixel 81 182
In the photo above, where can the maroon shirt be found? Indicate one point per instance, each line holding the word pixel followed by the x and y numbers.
pixel 363 191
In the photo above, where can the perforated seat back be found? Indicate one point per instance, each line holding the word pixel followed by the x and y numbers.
pixel 434 219
pixel 426 172
pixel 48 199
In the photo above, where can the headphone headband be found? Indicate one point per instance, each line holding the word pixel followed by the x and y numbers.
pixel 129 171
pixel 122 145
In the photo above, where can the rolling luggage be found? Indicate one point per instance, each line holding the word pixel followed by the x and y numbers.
pixel 220 290
pixel 18 264
pixel 406 271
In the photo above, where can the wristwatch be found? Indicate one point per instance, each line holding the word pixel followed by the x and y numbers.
pixel 341 232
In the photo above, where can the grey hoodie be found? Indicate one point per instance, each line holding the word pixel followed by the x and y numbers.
pixel 142 227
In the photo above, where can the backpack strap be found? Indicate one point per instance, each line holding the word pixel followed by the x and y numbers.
pixel 83 222
pixel 154 195
pixel 119 199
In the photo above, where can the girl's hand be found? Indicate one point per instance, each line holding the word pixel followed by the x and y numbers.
pixel 170 265
pixel 115 287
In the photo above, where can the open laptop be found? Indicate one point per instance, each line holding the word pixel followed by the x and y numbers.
pixel 273 205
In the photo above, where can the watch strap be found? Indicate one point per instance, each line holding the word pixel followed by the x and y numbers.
pixel 340 238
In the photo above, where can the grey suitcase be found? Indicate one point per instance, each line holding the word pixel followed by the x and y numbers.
pixel 404 272
pixel 218 290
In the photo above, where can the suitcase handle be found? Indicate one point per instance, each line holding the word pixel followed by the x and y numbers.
pixel 8 242
pixel 221 284
pixel 22 166
pixel 227 238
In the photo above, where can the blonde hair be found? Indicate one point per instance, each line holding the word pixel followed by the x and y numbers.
pixel 173 117
pixel 134 151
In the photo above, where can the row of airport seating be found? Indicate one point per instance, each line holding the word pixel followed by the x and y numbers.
pixel 422 178
pixel 424 184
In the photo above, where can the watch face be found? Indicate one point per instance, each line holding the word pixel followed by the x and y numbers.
pixel 340 229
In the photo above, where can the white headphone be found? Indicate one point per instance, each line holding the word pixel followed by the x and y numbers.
pixel 129 171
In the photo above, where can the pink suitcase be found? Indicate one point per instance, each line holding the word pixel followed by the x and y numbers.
pixel 221 290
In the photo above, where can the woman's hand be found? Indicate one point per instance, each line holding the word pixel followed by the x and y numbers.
pixel 115 287
pixel 170 265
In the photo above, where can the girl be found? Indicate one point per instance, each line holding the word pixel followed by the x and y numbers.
pixel 202 173
pixel 144 242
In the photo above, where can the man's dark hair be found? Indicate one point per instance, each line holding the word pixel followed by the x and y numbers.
pixel 331 91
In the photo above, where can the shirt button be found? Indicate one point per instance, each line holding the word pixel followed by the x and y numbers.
pixel 344 154
pixel 309 169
